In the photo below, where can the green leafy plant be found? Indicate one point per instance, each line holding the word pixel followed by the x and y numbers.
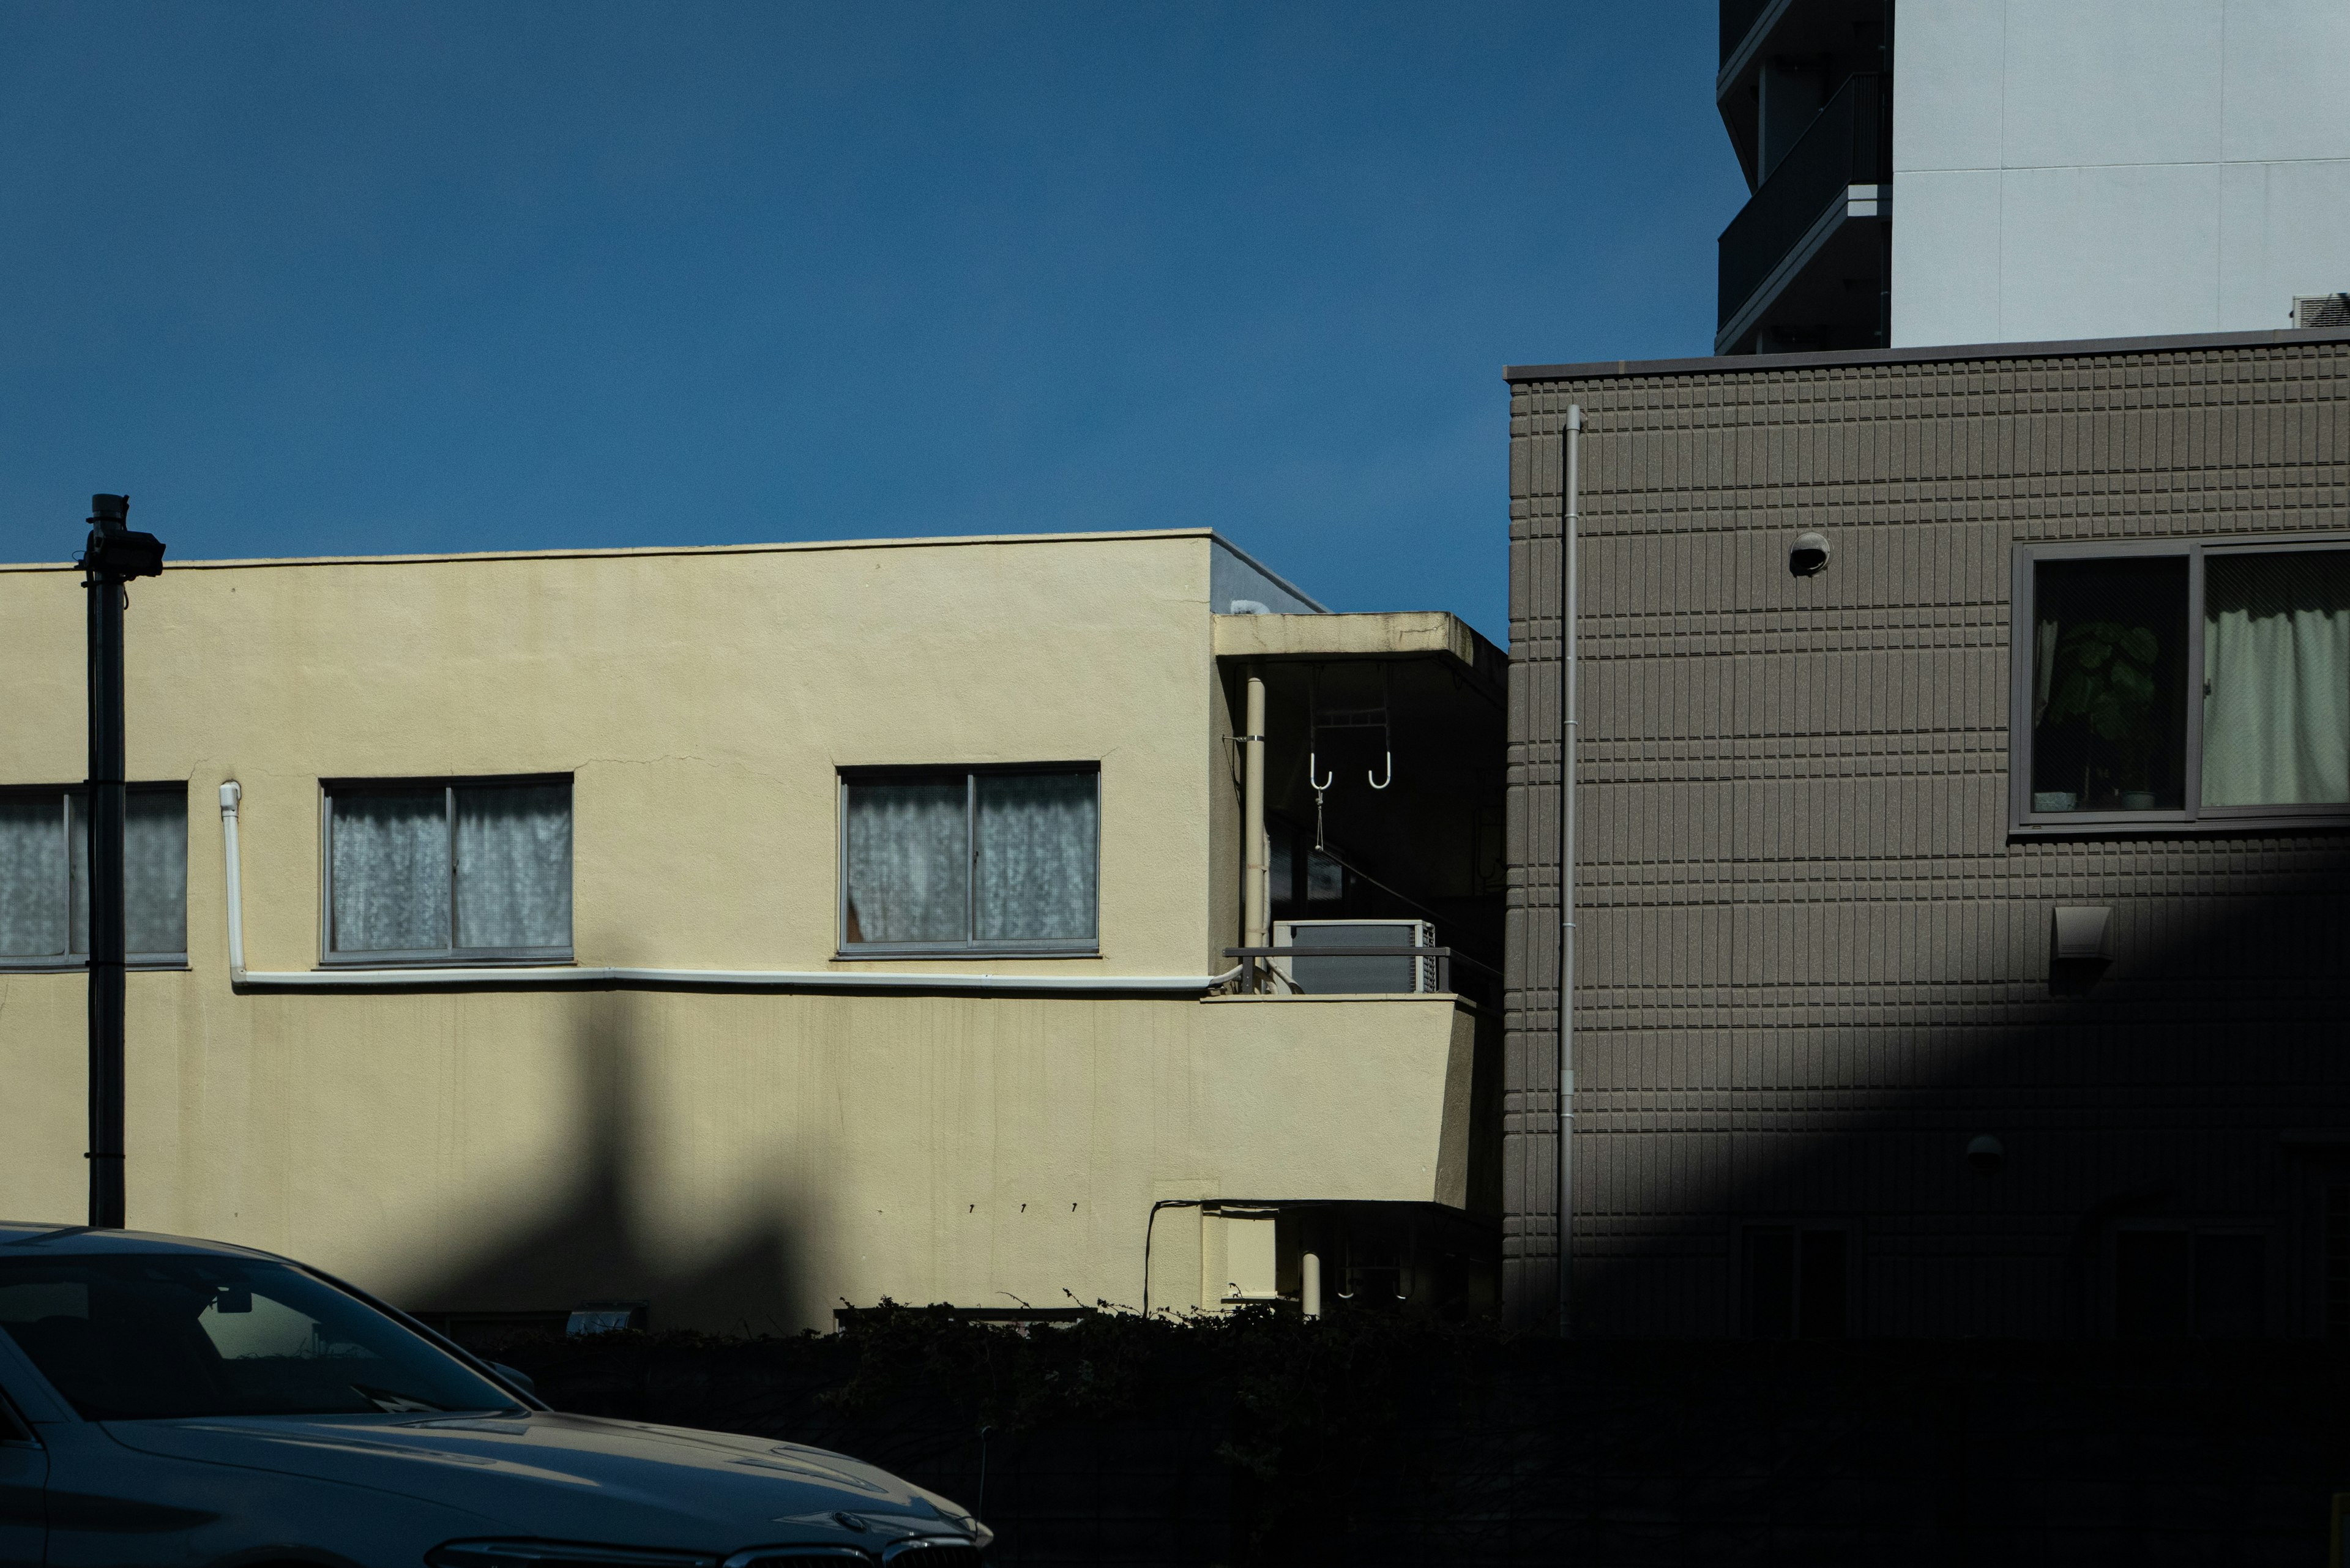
pixel 2104 677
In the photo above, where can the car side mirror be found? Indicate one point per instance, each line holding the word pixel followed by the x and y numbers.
pixel 520 1379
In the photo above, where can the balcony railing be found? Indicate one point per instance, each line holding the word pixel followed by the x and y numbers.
pixel 1849 144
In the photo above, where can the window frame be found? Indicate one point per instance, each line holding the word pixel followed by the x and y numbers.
pixel 2273 1301
pixel 2192 818
pixel 1743 1232
pixel 69 961
pixel 451 957
pixel 971 946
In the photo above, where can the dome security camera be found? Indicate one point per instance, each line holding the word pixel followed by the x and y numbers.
pixel 1808 557
pixel 1986 1154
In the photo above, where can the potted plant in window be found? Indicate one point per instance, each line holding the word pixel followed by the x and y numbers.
pixel 2105 679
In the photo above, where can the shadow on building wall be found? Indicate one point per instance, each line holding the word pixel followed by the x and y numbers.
pixel 2197 1084
pixel 596 1243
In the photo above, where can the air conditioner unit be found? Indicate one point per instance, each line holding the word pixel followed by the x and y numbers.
pixel 2314 310
pixel 1370 974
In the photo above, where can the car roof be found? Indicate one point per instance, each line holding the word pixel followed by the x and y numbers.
pixel 18 1237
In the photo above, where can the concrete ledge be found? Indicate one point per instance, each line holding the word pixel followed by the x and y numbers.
pixel 1398 634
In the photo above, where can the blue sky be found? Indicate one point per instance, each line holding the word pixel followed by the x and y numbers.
pixel 325 278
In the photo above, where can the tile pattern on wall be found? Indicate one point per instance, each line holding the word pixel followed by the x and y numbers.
pixel 1812 963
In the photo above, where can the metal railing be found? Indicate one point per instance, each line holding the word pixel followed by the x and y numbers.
pixel 1848 144
pixel 1252 968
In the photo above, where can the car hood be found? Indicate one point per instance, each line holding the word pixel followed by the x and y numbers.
pixel 577 1477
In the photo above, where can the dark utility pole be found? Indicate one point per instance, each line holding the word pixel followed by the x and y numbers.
pixel 114 556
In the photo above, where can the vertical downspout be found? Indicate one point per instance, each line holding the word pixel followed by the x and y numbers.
pixel 1255 872
pixel 231 793
pixel 1566 736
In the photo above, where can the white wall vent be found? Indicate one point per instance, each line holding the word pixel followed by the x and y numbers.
pixel 2083 934
pixel 1356 975
pixel 2314 310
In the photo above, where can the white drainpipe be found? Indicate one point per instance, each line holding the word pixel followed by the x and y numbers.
pixel 1256 849
pixel 542 975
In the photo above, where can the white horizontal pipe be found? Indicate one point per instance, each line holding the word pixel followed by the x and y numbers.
pixel 688 979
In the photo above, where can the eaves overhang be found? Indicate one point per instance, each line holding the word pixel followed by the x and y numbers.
pixel 1396 634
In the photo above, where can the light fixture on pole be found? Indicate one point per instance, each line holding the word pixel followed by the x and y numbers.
pixel 113 555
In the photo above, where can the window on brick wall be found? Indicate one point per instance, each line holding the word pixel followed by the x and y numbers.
pixel 2174 1282
pixel 2334 1261
pixel 2180 684
pixel 1797 1282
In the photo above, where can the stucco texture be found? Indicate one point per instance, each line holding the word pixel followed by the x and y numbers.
pixel 737 1159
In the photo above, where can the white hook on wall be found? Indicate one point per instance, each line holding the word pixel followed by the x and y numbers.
pixel 1318 783
pixel 1382 783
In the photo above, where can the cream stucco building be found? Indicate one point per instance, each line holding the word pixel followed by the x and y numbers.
pixel 749 931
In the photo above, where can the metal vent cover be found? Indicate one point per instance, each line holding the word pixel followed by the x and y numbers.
pixel 2316 310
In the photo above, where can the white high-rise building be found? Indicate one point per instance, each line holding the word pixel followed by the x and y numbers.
pixel 1929 172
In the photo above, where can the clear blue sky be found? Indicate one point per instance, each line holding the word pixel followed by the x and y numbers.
pixel 325 278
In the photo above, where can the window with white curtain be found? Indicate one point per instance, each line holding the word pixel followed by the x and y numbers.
pixel 44 875
pixel 971 859
pixel 2182 682
pixel 459 869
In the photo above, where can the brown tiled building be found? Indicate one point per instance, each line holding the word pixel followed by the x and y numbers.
pixel 1962 926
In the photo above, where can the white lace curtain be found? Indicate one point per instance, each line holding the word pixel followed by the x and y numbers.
pixel 44 874
pixel 513 866
pixel 390 868
pixel 910 861
pixel 154 872
pixel 389 871
pixel 2276 668
pixel 32 876
pixel 916 874
pixel 1037 857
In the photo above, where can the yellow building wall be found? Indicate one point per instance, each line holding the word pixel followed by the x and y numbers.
pixel 735 1159
pixel 738 1159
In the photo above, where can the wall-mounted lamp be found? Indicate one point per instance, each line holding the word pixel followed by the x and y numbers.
pixel 1808 555
pixel 115 551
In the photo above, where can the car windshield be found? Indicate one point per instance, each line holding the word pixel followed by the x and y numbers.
pixel 149 1335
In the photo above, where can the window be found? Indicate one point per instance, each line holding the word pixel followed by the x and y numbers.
pixel 431 872
pixel 988 861
pixel 2182 683
pixel 45 876
pixel 2335 1261
pixel 2173 1284
pixel 1795 1282
pixel 148 1336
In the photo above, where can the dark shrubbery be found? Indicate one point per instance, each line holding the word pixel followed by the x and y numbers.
pixel 1258 1439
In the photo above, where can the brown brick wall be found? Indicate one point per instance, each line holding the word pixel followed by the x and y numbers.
pixel 1812 962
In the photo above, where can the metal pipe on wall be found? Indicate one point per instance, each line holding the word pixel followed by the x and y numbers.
pixel 112 557
pixel 1256 849
pixel 1568 724
pixel 106 804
